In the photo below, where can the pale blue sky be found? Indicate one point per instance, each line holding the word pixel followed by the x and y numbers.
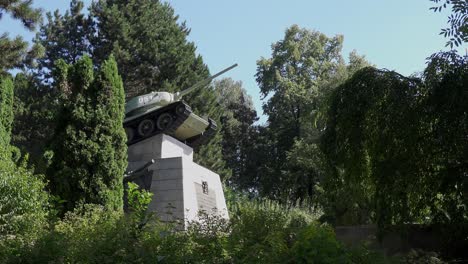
pixel 394 34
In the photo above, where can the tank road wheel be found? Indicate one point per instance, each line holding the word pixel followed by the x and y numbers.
pixel 146 127
pixel 164 121
pixel 180 110
pixel 130 133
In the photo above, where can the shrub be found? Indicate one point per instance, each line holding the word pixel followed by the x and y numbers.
pixel 23 207
pixel 263 231
pixel 318 244
pixel 258 232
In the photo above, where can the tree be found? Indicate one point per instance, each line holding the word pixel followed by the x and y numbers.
pixel 22 10
pixel 63 37
pixel 305 67
pixel 363 134
pixel 14 53
pixel 89 150
pixel 458 21
pixel 236 121
pixel 35 108
pixel 37 101
pixel 300 63
pixel 446 113
pixel 395 147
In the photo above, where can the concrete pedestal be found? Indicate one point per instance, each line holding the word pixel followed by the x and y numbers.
pixel 181 187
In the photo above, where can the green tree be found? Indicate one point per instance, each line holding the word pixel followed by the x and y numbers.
pixel 22 10
pixel 446 116
pixel 35 110
pixel 236 121
pixel 37 101
pixel 14 53
pixel 301 63
pixel 364 132
pixel 149 44
pixel 63 37
pixel 305 68
pixel 395 147
pixel 89 151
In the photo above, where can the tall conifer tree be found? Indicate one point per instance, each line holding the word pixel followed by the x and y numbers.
pixel 89 145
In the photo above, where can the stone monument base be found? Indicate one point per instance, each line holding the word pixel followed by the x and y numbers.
pixel 181 187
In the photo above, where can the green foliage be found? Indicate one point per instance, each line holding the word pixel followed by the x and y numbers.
pixel 318 245
pixel 23 203
pixel 203 242
pixel 89 234
pixel 458 21
pixel 364 123
pixel 138 201
pixel 6 112
pixel 420 257
pixel 89 150
pixel 446 113
pixel 305 168
pixel 304 69
pixel 22 10
pixel 14 52
pixel 300 64
pixel 63 37
pixel 149 44
pixel 264 231
pixel 236 121
pixel 396 148
pixel 259 232
pixel 35 111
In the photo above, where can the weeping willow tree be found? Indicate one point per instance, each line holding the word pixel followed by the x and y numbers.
pixel 396 146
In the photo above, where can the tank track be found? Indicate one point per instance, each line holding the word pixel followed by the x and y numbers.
pixel 178 112
pixel 203 138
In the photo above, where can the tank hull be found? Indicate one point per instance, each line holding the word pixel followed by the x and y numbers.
pixel 176 119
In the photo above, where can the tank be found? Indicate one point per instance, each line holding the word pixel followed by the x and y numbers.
pixel 163 112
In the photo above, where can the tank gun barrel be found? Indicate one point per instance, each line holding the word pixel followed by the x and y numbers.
pixel 130 175
pixel 202 83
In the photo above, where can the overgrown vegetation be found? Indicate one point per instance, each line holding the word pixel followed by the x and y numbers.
pixel 396 147
pixel 259 232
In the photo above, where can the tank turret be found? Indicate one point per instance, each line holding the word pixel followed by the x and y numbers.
pixel 163 112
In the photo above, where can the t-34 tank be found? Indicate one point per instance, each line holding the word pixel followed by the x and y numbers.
pixel 164 112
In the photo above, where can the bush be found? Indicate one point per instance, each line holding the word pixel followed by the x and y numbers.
pixel 263 231
pixel 258 232
pixel 318 244
pixel 23 207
